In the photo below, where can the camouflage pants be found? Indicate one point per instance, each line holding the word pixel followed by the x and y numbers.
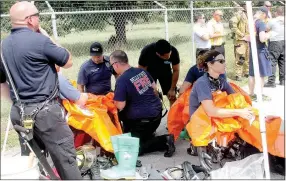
pixel 241 52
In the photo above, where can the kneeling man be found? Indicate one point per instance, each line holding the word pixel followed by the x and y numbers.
pixel 140 109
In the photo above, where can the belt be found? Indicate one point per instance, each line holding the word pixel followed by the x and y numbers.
pixel 55 100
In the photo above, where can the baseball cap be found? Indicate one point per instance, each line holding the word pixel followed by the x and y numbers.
pixel 264 10
pixel 96 49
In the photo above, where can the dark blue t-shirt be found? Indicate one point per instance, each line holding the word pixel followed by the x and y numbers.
pixel 203 90
pixel 95 77
pixel 195 73
pixel 31 59
pixel 259 27
pixel 135 87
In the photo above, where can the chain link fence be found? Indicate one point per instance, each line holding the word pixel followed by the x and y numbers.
pixel 126 25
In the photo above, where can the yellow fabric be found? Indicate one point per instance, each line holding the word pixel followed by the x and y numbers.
pixel 216 27
pixel 202 129
pixel 99 118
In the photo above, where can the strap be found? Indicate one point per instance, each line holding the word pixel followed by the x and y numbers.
pixel 9 75
pixel 21 106
pixel 35 112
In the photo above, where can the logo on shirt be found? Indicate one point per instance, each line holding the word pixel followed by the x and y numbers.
pixel 141 82
pixel 167 62
pixel 95 70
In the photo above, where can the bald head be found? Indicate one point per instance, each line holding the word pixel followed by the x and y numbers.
pixel 267 4
pixel 218 12
pixel 218 15
pixel 20 12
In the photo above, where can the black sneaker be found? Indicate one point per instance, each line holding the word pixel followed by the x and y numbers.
pixel 282 83
pixel 269 84
pixel 171 146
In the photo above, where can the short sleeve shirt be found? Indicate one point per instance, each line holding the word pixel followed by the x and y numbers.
pixel 195 73
pixel 202 90
pixel 95 77
pixel 135 87
pixel 199 31
pixel 260 26
pixel 31 58
pixel 149 58
pixel 277 27
pixel 213 27
pixel 67 91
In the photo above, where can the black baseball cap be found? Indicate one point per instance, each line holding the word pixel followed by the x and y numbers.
pixel 96 49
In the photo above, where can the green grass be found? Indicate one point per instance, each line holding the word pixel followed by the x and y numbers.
pixel 78 43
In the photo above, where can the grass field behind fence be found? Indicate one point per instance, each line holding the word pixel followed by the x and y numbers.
pixel 137 37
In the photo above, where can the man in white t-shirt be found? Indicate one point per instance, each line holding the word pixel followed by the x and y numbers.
pixel 276 47
pixel 201 34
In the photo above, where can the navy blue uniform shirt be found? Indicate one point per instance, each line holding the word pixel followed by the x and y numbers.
pixel 135 87
pixel 95 77
pixel 203 90
pixel 31 59
pixel 195 73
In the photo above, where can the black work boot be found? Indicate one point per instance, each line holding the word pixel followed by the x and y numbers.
pixel 192 150
pixel 171 146
pixel 270 84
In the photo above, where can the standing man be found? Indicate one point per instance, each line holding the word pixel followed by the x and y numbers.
pixel 262 38
pixel 277 47
pixel 31 58
pixel 239 27
pixel 216 31
pixel 157 59
pixel 268 5
pixel 95 74
pixel 201 34
pixel 140 109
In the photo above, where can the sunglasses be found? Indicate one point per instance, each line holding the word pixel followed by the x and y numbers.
pixel 36 14
pixel 113 63
pixel 222 61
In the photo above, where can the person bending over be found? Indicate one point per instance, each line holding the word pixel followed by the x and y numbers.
pixel 140 109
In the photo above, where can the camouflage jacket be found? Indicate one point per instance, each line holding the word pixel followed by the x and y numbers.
pixel 239 25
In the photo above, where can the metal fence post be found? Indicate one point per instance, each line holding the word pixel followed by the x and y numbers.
pixel 165 19
pixel 166 25
pixel 54 21
pixel 193 57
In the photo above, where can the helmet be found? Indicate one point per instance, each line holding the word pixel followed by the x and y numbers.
pixel 85 156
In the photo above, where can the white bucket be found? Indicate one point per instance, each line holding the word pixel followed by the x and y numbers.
pixel 18 168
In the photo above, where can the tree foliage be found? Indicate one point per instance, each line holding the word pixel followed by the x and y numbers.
pixel 68 23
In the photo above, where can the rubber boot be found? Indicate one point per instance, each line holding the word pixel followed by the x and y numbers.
pixel 114 142
pixel 128 148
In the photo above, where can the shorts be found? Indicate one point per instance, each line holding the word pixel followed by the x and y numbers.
pixel 264 63
pixel 165 80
